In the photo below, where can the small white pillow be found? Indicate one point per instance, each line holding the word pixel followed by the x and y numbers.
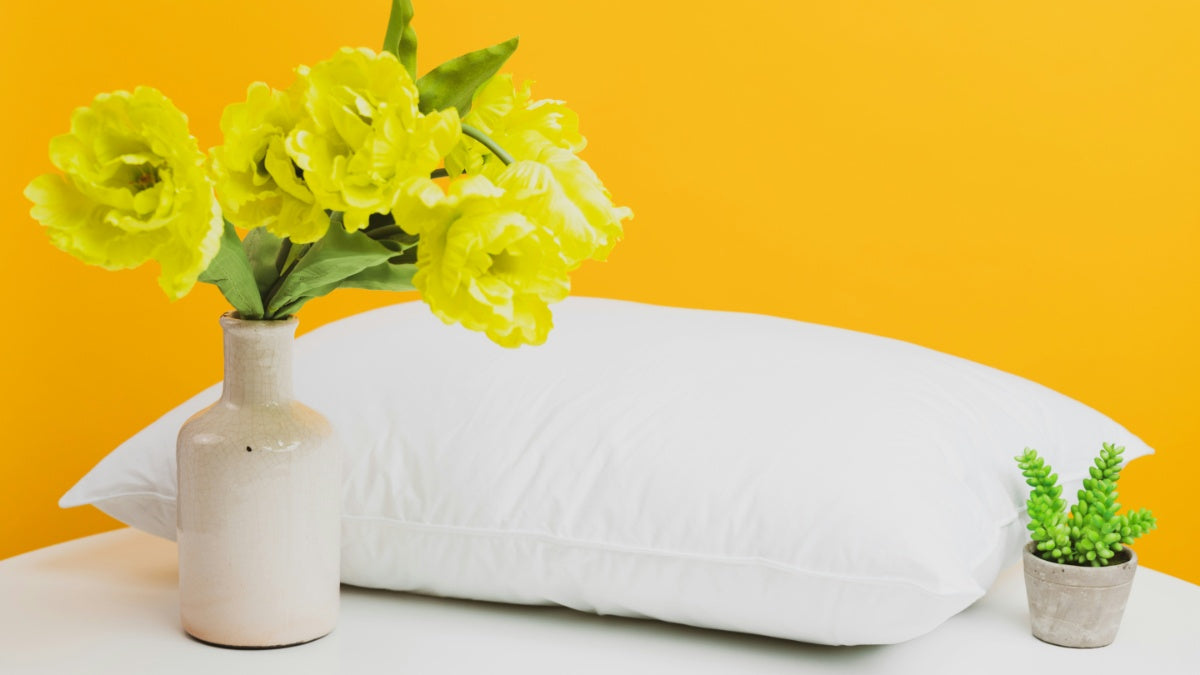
pixel 723 470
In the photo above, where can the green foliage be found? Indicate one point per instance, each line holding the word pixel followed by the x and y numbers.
pixel 340 259
pixel 231 273
pixel 1093 532
pixel 1046 508
pixel 265 277
pixel 453 84
pixel 1134 524
pixel 400 38
pixel 262 248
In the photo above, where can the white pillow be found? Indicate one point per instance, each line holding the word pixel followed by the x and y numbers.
pixel 723 470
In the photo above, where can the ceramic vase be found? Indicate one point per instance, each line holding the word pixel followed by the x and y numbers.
pixel 259 503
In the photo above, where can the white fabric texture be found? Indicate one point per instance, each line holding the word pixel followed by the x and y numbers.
pixel 723 470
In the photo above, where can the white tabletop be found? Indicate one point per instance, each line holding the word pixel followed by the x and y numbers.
pixel 109 604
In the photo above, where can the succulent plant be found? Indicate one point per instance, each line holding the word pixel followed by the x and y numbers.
pixel 1092 532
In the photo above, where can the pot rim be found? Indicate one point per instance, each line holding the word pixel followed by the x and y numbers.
pixel 1080 575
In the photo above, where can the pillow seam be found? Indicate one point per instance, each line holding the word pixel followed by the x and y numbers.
pixel 92 501
pixel 624 548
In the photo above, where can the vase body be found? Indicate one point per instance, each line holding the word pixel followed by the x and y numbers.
pixel 1073 606
pixel 259 503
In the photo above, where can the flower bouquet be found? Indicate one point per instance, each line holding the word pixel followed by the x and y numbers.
pixel 457 183
pixel 360 174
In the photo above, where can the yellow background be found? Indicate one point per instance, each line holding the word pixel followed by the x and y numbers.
pixel 1017 183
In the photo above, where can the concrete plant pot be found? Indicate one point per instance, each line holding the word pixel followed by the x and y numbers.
pixel 1075 606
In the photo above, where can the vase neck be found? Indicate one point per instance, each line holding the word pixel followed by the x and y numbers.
pixel 258 361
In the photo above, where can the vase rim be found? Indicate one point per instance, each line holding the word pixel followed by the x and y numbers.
pixel 231 319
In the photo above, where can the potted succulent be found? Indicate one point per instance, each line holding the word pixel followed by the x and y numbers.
pixel 1078 567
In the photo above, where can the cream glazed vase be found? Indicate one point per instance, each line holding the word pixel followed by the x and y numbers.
pixel 259 505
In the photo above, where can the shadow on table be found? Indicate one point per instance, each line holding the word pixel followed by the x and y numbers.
pixel 119 559
pixel 551 622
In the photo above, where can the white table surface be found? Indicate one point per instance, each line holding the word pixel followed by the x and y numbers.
pixel 109 604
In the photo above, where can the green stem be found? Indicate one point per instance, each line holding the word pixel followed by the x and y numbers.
pixel 387 221
pixel 440 173
pixel 285 249
pixel 384 232
pixel 276 286
pixel 281 260
pixel 487 142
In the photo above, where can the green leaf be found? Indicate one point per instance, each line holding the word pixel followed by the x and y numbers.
pixel 382 277
pixel 261 248
pixel 394 278
pixel 385 277
pixel 230 272
pixel 337 256
pixel 453 84
pixel 400 38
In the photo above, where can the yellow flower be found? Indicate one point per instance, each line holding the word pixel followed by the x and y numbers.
pixel 363 138
pixel 484 259
pixel 546 132
pixel 257 183
pixel 134 190
pixel 502 109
